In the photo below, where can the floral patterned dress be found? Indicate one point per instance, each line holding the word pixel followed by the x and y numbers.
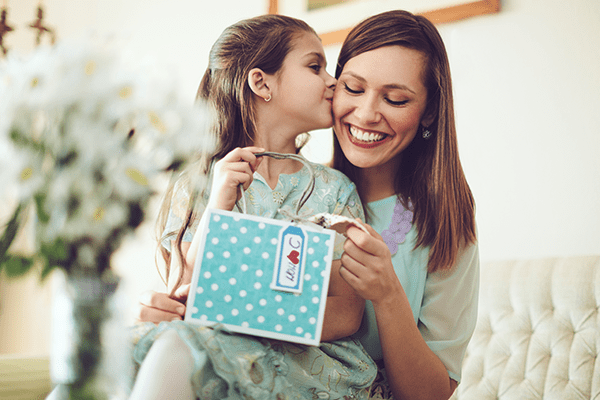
pixel 247 367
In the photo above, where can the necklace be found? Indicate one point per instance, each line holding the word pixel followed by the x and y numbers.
pixel 400 225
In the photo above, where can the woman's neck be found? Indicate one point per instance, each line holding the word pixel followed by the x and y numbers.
pixel 376 183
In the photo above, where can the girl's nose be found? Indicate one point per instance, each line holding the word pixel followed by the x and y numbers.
pixel 330 81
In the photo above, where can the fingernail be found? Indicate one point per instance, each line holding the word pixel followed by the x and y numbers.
pixel 176 319
pixel 180 310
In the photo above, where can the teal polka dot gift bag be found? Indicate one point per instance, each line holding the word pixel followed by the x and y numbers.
pixel 261 276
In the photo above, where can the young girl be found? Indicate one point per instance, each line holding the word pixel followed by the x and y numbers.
pixel 267 82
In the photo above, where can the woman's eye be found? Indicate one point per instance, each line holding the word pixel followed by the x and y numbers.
pixel 350 90
pixel 397 103
pixel 316 67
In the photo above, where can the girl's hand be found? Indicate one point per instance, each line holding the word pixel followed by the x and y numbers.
pixel 367 265
pixel 235 169
pixel 157 307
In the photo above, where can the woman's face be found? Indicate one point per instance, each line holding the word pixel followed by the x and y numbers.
pixel 378 104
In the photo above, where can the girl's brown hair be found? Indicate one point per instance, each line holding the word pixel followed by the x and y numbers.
pixel 430 174
pixel 261 42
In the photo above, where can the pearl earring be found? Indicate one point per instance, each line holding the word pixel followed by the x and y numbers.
pixel 268 99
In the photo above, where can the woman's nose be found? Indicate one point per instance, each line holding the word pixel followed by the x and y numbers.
pixel 366 110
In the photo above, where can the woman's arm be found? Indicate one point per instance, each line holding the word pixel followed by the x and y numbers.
pixel 413 370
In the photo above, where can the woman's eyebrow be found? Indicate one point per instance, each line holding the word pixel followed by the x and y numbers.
pixel 387 86
pixel 397 86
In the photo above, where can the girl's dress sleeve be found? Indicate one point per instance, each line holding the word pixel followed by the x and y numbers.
pixel 177 211
pixel 449 310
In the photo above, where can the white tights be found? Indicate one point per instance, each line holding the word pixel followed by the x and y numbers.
pixel 166 371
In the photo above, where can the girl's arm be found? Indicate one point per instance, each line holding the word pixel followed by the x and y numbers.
pixel 413 370
pixel 157 306
pixel 344 309
pixel 235 169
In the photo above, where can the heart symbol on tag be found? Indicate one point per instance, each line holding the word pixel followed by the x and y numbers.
pixel 293 256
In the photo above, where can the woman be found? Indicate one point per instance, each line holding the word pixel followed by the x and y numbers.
pixel 395 138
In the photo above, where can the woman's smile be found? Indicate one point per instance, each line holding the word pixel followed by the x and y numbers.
pixel 364 138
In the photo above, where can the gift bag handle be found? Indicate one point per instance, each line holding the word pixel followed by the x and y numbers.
pixel 307 191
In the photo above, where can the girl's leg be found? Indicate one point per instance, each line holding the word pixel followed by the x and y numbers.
pixel 166 371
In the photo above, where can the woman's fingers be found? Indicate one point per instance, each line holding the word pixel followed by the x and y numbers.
pixel 367 265
pixel 370 243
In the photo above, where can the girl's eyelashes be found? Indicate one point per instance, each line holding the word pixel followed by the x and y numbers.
pixel 315 67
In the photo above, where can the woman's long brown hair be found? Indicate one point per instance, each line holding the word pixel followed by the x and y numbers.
pixel 430 174
pixel 261 42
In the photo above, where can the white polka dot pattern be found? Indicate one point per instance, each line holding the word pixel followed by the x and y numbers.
pixel 234 280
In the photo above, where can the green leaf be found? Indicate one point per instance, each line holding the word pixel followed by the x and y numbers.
pixel 17 266
pixel 55 252
pixel 10 232
pixel 40 199
pixel 48 267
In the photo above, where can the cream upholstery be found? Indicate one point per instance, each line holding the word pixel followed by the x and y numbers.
pixel 538 332
pixel 537 336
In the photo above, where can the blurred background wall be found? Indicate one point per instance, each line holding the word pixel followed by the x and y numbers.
pixel 527 99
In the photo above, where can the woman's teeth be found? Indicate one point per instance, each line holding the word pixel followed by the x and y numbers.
pixel 363 136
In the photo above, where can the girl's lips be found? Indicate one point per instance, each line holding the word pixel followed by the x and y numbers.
pixel 374 139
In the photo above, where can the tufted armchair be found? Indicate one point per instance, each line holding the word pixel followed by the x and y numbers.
pixel 538 332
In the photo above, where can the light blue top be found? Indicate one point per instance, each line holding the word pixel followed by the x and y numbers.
pixel 444 304
pixel 244 366
pixel 333 193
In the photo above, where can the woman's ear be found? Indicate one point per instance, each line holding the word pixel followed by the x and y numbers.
pixel 427 119
pixel 257 80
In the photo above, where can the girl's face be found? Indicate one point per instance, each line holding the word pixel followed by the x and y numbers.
pixel 304 90
pixel 379 102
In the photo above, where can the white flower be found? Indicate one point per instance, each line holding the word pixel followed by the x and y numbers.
pixel 86 136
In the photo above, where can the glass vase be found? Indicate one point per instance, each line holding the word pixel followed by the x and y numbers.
pixel 90 357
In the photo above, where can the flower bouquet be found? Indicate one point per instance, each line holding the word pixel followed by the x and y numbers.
pixel 83 139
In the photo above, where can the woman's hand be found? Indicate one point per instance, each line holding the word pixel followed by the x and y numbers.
pixel 367 265
pixel 157 307
pixel 235 169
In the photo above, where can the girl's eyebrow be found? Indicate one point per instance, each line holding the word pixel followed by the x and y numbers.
pixel 387 86
pixel 318 55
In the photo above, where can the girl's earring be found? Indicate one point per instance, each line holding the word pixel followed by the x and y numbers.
pixel 268 99
pixel 426 133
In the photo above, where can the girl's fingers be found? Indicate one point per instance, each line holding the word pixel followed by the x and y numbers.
pixel 154 315
pixel 156 307
pixel 182 292
pixel 243 154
